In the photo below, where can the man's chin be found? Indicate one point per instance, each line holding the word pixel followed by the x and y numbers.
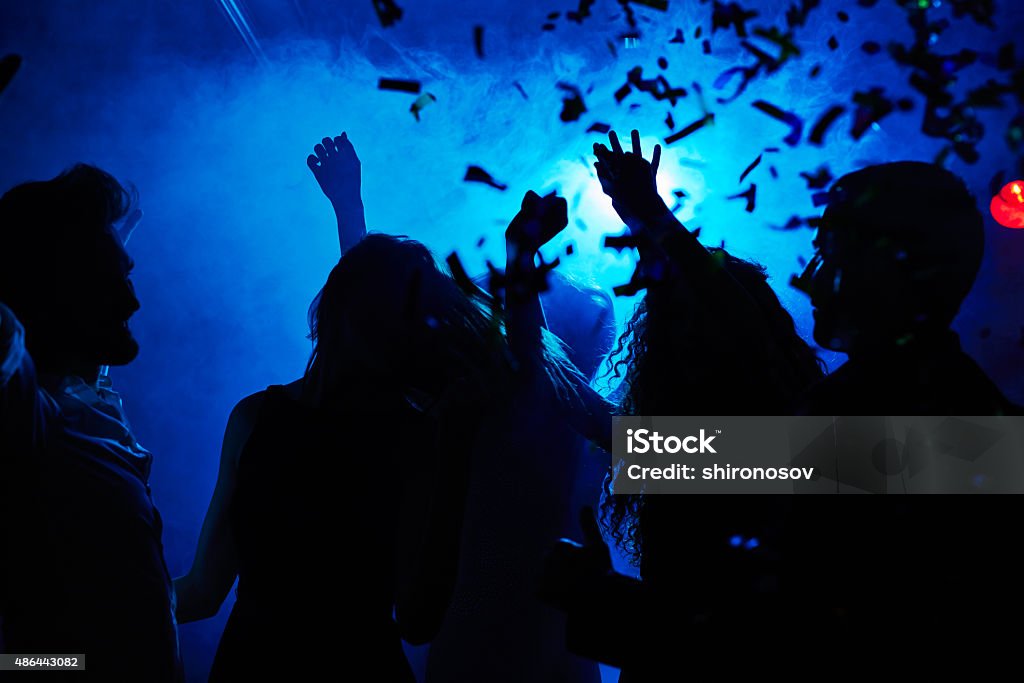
pixel 121 352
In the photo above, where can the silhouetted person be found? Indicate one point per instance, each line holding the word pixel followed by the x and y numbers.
pixel 709 338
pixel 523 474
pixel 83 568
pixel 899 246
pixel 340 496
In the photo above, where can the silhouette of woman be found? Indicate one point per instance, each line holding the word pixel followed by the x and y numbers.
pixel 709 338
pixel 340 559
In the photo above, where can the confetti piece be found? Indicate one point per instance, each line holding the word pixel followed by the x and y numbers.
pixel 670 122
pixel 797 15
pixel 774 172
pixel 815 71
pixel 662 63
pixel 678 37
pixel 459 273
pixel 871 47
pixel 705 46
pixel 480 242
pixel 833 44
pixel 705 120
pixel 581 13
pixel 601 128
pixel 819 179
pixel 842 16
pixel 794 122
pixel 659 87
pixel 569 249
pixel 660 5
pixel 399 85
pixel 387 11
pixel 750 194
pixel 621 242
pixel 475 174
pixel 622 93
pixel 572 104
pixel 519 87
pixel 725 15
pixel 822 126
pixel 872 107
pixel 421 103
pixel 751 167
pixel 478 40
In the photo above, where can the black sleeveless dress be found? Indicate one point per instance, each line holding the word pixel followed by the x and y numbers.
pixel 314 519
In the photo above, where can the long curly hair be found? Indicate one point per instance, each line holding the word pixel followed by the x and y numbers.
pixel 673 348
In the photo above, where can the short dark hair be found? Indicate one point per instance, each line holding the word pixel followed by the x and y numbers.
pixel 45 224
pixel 922 209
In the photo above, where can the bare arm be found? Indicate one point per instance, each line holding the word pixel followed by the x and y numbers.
pixel 666 247
pixel 337 170
pixel 201 592
pixel 539 220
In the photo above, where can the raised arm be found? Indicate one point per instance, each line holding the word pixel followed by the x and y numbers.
pixel 201 592
pixel 337 170
pixel 668 251
pixel 539 220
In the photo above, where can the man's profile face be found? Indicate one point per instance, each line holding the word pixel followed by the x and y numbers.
pixel 859 289
pixel 99 299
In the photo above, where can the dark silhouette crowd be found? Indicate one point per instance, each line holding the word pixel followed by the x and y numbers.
pixel 496 446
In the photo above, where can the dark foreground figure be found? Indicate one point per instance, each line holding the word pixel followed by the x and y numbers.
pixel 854 581
pixel 81 567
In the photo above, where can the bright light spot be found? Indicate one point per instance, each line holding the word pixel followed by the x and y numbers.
pixel 1007 207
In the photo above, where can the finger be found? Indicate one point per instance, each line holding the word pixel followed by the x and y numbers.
pixel 328 145
pixel 656 159
pixel 320 151
pixel 614 139
pixel 591 531
pixel 313 163
pixel 601 152
pixel 635 135
pixel 529 199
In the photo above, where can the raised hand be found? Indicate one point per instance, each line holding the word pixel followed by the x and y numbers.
pixel 539 220
pixel 336 168
pixel 629 179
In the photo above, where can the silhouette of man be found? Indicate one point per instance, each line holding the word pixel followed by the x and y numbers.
pixel 82 570
pixel 899 247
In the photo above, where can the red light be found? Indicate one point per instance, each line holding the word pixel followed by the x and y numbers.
pixel 1007 207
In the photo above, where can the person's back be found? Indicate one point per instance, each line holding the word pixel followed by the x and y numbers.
pixel 314 522
pixel 524 475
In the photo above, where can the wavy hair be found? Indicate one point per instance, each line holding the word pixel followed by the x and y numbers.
pixel 661 358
